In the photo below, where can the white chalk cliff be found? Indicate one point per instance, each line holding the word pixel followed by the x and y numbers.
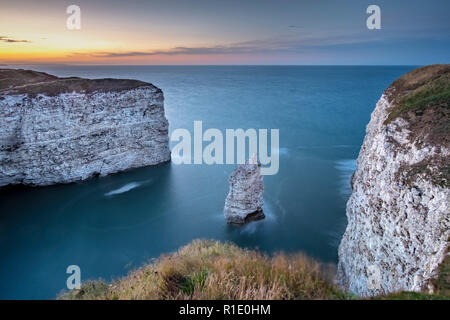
pixel 60 130
pixel 399 214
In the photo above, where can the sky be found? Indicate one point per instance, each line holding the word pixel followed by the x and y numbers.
pixel 232 32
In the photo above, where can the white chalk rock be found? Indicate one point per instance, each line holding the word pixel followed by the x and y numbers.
pixel 245 198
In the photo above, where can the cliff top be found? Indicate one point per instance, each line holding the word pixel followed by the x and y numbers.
pixel 422 98
pixel 196 271
pixel 19 81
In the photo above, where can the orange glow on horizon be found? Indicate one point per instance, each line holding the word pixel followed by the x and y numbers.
pixel 49 41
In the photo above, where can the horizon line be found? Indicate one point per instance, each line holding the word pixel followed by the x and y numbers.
pixel 216 65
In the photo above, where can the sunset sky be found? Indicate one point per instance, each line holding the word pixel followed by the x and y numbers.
pixel 225 32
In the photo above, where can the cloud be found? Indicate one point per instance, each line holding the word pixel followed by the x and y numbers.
pixel 287 44
pixel 219 49
pixel 290 44
pixel 9 40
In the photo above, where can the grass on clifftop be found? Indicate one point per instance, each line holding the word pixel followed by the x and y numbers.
pixel 423 88
pixel 211 270
pixel 214 270
pixel 422 98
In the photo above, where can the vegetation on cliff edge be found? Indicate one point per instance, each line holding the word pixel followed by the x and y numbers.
pixel 213 270
pixel 422 98
pixel 423 88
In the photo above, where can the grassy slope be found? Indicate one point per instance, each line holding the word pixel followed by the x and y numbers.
pixel 422 98
pixel 421 89
pixel 214 270
pixel 19 81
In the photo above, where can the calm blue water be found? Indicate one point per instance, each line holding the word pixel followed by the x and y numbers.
pixel 110 225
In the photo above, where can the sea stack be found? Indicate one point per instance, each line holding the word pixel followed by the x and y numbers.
pixel 60 130
pixel 398 230
pixel 245 198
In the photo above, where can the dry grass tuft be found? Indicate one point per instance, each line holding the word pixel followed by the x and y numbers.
pixel 213 270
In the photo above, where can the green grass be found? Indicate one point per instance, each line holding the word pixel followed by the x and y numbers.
pixel 90 290
pixel 443 281
pixel 422 98
pixel 434 92
pixel 411 296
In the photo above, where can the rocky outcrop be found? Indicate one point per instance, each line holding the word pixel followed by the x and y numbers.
pixel 60 130
pixel 245 198
pixel 399 214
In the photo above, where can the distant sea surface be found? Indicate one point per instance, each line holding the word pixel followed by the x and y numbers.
pixel 108 226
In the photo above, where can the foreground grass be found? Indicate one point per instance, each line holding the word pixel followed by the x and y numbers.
pixel 214 270
pixel 211 270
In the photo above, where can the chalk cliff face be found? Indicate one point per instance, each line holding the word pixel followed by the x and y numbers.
pixel 59 130
pixel 399 214
pixel 245 198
